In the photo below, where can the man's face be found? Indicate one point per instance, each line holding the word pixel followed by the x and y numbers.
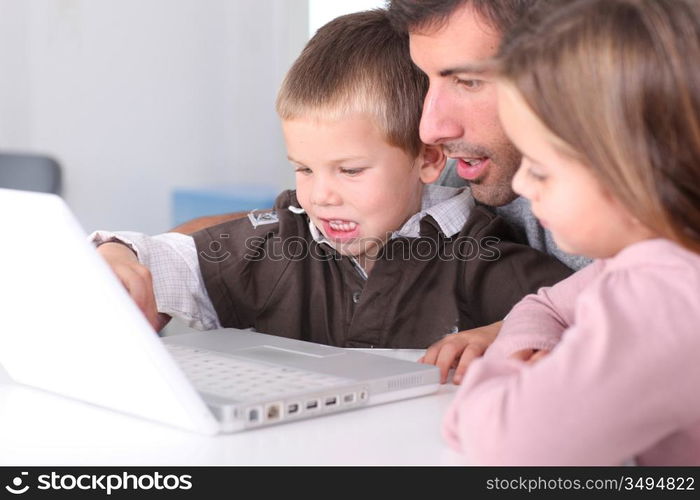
pixel 460 110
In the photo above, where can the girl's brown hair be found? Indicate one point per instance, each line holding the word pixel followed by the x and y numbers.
pixel 618 82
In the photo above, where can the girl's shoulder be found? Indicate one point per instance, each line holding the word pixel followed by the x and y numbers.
pixel 654 256
pixel 658 275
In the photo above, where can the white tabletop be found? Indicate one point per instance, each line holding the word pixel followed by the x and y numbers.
pixel 38 428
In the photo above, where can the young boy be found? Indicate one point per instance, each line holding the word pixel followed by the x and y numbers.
pixel 363 253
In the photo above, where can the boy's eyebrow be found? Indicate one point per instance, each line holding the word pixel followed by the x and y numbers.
pixel 347 158
pixel 295 161
pixel 334 162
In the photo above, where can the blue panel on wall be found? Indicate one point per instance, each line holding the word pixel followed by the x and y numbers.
pixel 190 203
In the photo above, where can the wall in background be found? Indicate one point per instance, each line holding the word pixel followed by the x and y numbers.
pixel 136 97
pixel 322 11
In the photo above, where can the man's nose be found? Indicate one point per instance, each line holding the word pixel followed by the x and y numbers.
pixel 440 122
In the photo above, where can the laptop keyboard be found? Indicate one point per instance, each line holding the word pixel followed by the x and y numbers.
pixel 246 380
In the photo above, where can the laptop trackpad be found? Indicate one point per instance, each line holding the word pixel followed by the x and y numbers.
pixel 279 355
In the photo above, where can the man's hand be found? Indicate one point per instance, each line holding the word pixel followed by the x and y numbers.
pixel 137 280
pixel 459 350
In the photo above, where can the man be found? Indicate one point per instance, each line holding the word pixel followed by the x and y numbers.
pixel 449 41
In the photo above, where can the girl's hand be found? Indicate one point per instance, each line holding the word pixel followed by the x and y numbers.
pixel 530 356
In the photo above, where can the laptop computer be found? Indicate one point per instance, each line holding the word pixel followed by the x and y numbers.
pixel 69 327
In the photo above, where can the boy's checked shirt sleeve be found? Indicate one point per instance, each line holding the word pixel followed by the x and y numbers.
pixel 177 282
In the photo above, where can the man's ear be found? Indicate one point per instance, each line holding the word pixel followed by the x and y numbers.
pixel 431 163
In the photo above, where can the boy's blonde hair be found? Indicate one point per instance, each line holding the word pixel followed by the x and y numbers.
pixel 618 83
pixel 358 63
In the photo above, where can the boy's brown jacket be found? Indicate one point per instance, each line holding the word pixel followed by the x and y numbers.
pixel 277 279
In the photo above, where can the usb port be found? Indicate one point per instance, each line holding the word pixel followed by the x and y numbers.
pixel 292 408
pixel 331 401
pixel 253 415
pixel 312 405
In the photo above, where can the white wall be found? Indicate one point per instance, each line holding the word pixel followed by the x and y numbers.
pixel 135 97
pixel 322 11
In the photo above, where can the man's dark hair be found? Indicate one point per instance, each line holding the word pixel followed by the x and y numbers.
pixel 413 15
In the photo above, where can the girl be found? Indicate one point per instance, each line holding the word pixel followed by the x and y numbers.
pixel 602 97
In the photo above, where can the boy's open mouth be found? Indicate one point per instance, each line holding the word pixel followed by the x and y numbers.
pixel 339 229
pixel 342 225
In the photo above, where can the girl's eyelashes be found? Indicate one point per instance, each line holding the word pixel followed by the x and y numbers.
pixel 536 175
pixel 302 170
pixel 533 170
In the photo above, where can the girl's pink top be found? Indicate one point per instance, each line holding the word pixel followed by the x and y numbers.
pixel 622 381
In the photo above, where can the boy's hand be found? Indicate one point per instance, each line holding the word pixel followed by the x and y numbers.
pixel 530 356
pixel 137 280
pixel 459 350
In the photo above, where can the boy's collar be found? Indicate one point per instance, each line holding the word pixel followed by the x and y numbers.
pixel 449 207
